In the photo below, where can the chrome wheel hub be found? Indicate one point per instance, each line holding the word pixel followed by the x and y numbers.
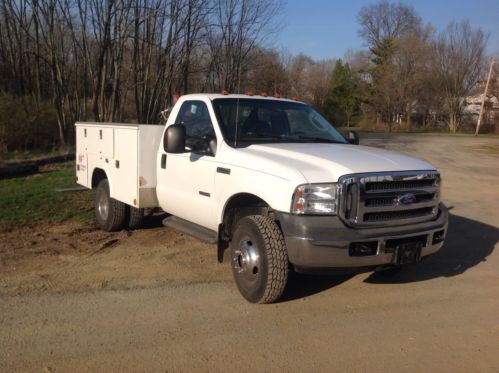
pixel 246 261
pixel 103 206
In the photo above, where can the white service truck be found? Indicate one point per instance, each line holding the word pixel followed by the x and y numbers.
pixel 270 180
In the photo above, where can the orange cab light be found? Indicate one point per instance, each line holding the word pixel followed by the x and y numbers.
pixel 277 95
pixel 250 92
pixel 264 94
pixel 296 98
pixel 225 93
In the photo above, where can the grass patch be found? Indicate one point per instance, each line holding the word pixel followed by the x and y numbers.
pixel 33 199
pixel 19 155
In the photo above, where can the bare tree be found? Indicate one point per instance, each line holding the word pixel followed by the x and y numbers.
pixel 383 25
pixel 267 73
pixel 319 78
pixel 298 69
pixel 411 66
pixel 196 17
pixel 385 20
pixel 52 47
pixel 459 56
pixel 157 33
pixel 238 26
pixel 102 59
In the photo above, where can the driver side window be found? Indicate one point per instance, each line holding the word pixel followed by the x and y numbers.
pixel 195 117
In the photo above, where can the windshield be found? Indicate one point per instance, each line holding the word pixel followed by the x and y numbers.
pixel 259 120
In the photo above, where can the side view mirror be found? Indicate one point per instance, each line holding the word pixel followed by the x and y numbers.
pixel 353 137
pixel 174 139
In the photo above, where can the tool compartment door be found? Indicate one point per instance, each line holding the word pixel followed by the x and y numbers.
pixel 123 168
pixel 81 157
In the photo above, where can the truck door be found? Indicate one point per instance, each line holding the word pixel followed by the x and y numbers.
pixel 186 181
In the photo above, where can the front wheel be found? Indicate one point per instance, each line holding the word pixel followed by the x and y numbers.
pixel 259 259
pixel 109 212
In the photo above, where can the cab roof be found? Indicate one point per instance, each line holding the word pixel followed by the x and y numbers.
pixel 213 96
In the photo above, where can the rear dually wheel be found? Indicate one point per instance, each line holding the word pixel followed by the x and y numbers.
pixel 109 212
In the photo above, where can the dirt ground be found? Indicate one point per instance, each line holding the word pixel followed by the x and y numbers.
pixel 73 298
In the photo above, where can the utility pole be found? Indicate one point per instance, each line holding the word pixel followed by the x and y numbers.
pixel 483 98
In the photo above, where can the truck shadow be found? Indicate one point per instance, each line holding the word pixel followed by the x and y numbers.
pixel 153 219
pixel 303 285
pixel 469 243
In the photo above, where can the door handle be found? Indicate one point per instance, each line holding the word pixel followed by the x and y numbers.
pixel 163 160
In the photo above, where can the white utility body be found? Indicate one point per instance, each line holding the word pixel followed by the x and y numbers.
pixel 127 154
pixel 272 180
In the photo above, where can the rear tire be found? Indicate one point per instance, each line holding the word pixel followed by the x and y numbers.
pixel 135 217
pixel 259 259
pixel 109 212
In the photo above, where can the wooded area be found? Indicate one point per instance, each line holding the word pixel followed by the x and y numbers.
pixel 126 60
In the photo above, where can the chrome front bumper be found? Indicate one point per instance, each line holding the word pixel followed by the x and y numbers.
pixel 324 241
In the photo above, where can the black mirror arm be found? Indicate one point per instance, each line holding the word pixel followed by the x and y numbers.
pixel 353 138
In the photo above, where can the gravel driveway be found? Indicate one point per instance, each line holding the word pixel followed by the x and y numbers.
pixel 155 300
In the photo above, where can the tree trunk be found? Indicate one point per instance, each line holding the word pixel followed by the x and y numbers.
pixel 453 121
pixel 408 119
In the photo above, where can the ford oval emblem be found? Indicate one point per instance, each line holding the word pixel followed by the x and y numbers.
pixel 407 199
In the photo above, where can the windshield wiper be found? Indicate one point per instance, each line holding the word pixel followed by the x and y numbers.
pixel 286 138
pixel 260 137
pixel 319 140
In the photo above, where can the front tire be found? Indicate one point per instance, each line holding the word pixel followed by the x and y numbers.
pixel 109 212
pixel 259 259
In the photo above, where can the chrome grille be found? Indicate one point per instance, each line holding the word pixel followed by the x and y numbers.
pixel 402 185
pixel 396 198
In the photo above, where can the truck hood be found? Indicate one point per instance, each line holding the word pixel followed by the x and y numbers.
pixel 324 162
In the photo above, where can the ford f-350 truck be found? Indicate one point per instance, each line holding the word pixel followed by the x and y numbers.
pixel 271 181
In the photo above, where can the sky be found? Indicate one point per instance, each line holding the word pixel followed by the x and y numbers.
pixel 328 28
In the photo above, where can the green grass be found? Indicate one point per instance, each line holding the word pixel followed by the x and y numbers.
pixel 19 155
pixel 33 199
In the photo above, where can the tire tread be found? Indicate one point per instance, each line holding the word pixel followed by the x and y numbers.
pixel 135 217
pixel 277 257
pixel 117 211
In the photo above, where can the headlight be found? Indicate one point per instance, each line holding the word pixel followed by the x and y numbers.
pixel 317 199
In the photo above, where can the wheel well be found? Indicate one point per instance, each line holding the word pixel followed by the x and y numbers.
pixel 238 206
pixel 241 205
pixel 98 175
